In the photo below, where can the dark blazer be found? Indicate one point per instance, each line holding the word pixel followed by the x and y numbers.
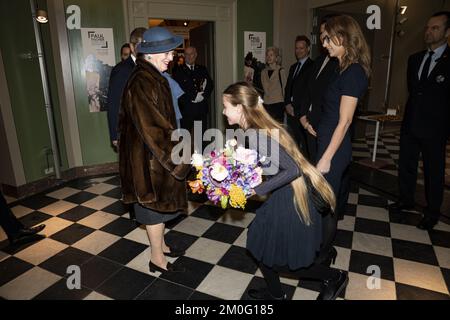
pixel 190 81
pixel 317 86
pixel 117 81
pixel 295 87
pixel 427 112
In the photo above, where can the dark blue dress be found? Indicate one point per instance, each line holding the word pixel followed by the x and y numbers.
pixel 352 82
pixel 277 235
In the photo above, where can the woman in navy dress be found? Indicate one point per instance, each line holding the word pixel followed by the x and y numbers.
pixel 344 40
pixel 286 232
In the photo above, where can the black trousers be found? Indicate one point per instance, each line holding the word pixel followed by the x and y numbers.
pixel 298 133
pixel 433 156
pixel 8 221
pixel 311 144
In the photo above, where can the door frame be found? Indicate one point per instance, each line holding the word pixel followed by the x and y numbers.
pixel 224 15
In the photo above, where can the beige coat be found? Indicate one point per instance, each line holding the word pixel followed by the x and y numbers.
pixel 273 91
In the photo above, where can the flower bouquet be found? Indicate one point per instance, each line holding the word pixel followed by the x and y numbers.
pixel 227 176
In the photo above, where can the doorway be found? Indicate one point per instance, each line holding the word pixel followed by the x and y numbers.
pixel 218 21
pixel 198 34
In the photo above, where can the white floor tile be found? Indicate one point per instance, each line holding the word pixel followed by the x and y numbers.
pixel 225 283
pixel 29 284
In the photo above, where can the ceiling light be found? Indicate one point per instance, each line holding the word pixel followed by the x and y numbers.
pixel 41 16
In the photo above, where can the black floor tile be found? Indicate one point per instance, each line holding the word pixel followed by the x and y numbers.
pixel 440 238
pixel 117 208
pixel 60 291
pixel 172 223
pixel 34 218
pixel 120 227
pixel 239 259
pixel 372 201
pixel 123 251
pixel 406 292
pixel 114 181
pixel 350 209
pixel 361 261
pixel 375 227
pixel 95 271
pixel 196 271
pixel 163 290
pixel 179 240
pixel 126 284
pixel 408 218
pixel 343 239
pixel 37 202
pixel 354 187
pixel 11 268
pixel 72 234
pixel 414 251
pixel 70 256
pixel 223 232
pixel 81 197
pixel 115 193
pixel 77 213
pixel 260 283
pixel 202 296
pixel 208 212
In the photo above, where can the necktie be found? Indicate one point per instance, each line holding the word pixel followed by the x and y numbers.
pixel 297 69
pixel 426 67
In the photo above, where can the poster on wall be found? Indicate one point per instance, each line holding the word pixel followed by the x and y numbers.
pixel 99 59
pixel 255 42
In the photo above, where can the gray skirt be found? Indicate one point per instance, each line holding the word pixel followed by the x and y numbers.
pixel 148 216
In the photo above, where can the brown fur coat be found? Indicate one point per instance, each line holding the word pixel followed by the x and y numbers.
pixel 146 122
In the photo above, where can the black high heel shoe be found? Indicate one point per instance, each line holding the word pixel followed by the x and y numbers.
pixel 331 288
pixel 170 268
pixel 331 258
pixel 264 294
pixel 174 252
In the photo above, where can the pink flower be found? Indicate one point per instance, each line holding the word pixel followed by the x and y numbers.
pixel 246 156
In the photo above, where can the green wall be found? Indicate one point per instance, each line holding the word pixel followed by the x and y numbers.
pixel 253 16
pixel 24 82
pixel 25 87
pixel 93 127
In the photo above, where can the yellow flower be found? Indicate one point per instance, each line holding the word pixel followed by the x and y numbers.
pixel 237 197
pixel 199 174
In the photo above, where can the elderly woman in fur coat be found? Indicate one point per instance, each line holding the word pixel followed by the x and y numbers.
pixel 149 114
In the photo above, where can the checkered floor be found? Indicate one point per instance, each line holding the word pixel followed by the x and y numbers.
pixel 388 149
pixel 87 226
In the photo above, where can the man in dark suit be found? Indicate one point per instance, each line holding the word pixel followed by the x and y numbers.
pixel 195 81
pixel 117 81
pixel 295 89
pixel 426 123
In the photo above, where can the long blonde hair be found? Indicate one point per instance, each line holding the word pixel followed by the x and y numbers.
pixel 256 117
pixel 345 31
